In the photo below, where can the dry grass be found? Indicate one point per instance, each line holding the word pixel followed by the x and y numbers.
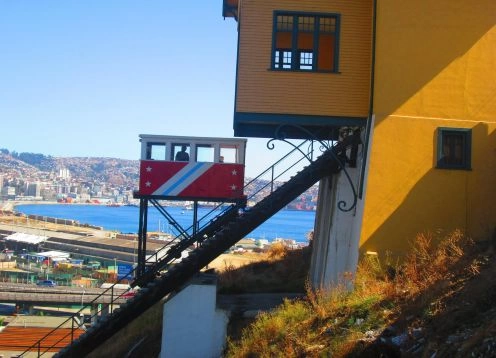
pixel 235 260
pixel 280 270
pixel 333 323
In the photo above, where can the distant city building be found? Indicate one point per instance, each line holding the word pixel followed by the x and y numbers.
pixel 33 189
pixel 64 173
pixel 63 189
pixel 9 192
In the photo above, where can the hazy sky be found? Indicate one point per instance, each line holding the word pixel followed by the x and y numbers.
pixel 85 78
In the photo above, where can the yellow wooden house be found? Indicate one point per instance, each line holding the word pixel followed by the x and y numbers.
pixel 419 79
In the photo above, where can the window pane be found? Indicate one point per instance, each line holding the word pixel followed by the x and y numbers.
pixel 306 23
pixel 284 23
pixel 180 152
pixel 204 153
pixel 156 151
pixel 282 59
pixel 453 149
pixel 286 62
pixel 228 155
pixel 327 24
pixel 306 60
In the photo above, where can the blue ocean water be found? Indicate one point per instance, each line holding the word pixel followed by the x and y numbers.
pixel 286 224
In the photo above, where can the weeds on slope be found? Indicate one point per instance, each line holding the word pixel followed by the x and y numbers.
pixel 333 323
pixel 282 270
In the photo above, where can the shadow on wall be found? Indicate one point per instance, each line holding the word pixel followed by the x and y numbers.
pixel 457 199
pixel 412 51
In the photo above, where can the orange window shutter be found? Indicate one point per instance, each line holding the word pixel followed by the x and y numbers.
pixel 283 40
pixel 305 41
pixel 326 52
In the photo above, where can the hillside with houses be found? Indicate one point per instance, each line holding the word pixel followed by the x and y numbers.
pixel 34 176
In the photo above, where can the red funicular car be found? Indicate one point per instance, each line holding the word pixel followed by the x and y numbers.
pixel 192 168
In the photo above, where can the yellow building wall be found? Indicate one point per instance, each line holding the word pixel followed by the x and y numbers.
pixel 435 67
pixel 261 90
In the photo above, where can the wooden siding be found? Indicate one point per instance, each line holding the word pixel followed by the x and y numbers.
pixel 261 90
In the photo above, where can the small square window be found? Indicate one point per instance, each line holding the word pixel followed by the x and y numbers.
pixel 454 148
pixel 306 60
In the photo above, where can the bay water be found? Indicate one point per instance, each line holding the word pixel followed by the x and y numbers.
pixel 287 224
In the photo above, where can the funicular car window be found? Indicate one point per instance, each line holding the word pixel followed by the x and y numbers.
pixel 156 151
pixel 205 153
pixel 180 152
pixel 228 154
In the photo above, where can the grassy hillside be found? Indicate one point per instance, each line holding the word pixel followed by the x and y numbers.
pixel 441 302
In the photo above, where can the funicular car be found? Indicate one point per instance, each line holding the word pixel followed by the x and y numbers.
pixel 199 169
pixel 192 168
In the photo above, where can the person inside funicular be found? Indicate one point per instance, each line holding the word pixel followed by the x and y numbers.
pixel 182 155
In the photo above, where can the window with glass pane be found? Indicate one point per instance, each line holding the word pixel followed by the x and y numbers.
pixel 228 154
pixel 327 43
pixel 155 151
pixel 283 59
pixel 180 152
pixel 305 42
pixel 306 60
pixel 204 153
pixel 454 148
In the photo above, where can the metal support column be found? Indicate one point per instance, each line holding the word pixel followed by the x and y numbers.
pixel 142 233
pixel 195 217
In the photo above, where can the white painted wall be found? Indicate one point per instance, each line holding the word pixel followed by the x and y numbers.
pixel 192 326
pixel 337 233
